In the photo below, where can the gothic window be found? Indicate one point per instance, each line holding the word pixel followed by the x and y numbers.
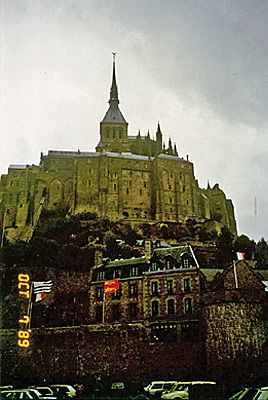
pixel 154 289
pixel 99 294
pixel 137 164
pixel 180 175
pixel 171 174
pixel 114 133
pixel 186 285
pixel 89 160
pixel 154 308
pixel 11 183
pixel 141 192
pixel 145 184
pixel 188 305
pixel 170 286
pixel 89 183
pixel 171 307
pixel 114 186
pixel 120 133
pixel 132 290
pixel 169 186
pixel 130 173
pixel 170 199
pixel 108 133
pixel 89 171
pixel 145 165
pixel 130 183
pixel 187 202
pixel 115 174
pixel 112 161
pixel 127 191
pixel 133 310
pixel 128 163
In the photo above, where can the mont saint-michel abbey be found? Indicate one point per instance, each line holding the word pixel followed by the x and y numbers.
pixel 136 178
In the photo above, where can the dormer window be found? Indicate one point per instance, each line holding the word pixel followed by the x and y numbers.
pixel 154 266
pixel 134 271
pixel 187 261
pixel 117 273
pixel 100 276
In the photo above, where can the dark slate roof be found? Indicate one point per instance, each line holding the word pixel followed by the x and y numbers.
pixel 175 252
pixel 210 273
pixel 114 115
pixel 17 166
pixel 262 272
pixel 123 262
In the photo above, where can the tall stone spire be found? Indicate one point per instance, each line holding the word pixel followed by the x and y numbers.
pixel 114 115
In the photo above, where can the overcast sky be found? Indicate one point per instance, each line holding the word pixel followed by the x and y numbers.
pixel 200 67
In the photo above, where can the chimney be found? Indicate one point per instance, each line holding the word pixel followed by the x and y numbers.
pixel 98 257
pixel 148 250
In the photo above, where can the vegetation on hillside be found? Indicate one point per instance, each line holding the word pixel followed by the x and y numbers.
pixel 65 241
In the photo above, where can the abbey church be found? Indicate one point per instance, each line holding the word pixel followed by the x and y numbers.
pixel 136 178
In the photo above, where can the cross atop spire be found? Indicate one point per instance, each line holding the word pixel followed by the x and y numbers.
pixel 114 101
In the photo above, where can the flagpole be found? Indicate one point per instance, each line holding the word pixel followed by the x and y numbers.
pixel 235 275
pixel 30 306
pixel 103 310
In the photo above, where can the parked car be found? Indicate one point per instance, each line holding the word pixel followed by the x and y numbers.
pixel 191 390
pixel 251 394
pixel 63 391
pixel 158 387
pixel 25 394
pixel 44 390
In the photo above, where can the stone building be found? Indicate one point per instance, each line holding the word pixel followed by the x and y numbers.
pixel 130 177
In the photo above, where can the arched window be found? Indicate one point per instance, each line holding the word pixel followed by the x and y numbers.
pixel 108 133
pixel 171 307
pixel 154 308
pixel 188 305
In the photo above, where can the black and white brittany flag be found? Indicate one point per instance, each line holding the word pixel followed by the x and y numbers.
pixel 40 290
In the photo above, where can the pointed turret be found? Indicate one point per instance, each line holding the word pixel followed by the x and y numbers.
pixel 158 139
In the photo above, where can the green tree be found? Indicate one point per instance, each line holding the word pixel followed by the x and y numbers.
pixel 225 248
pixel 243 244
pixel 261 254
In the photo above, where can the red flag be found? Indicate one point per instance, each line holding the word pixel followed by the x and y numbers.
pixel 4 221
pixel 111 286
